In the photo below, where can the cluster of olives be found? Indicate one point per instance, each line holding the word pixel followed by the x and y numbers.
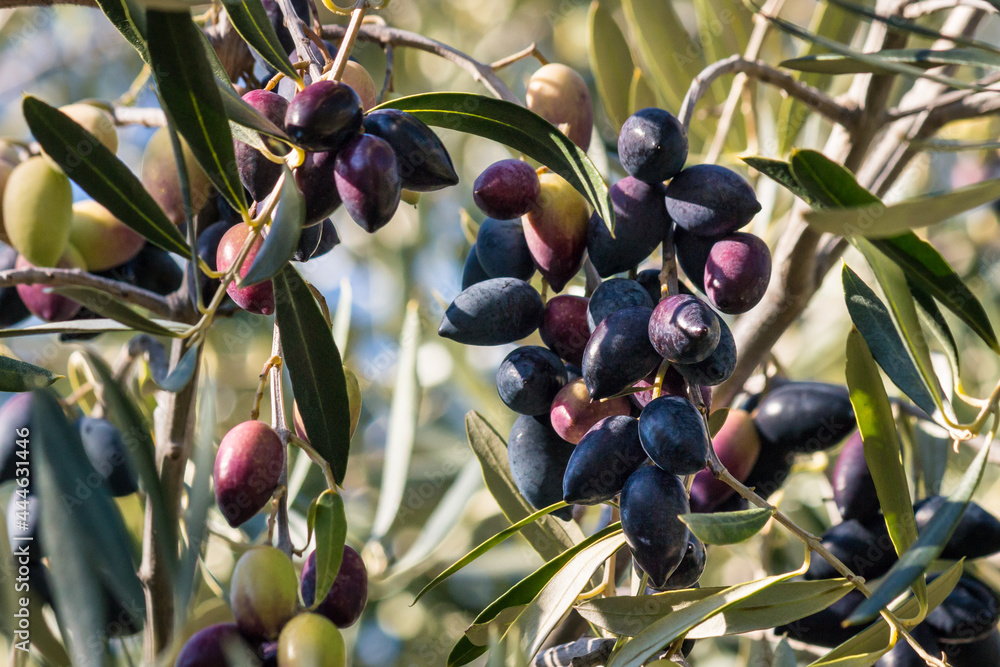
pixel 276 614
pixel 105 449
pixel 608 392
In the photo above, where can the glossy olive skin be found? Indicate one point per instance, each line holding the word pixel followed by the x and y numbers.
pixel 865 548
pixel 348 595
pixel 615 294
pixel 358 78
pixel 309 640
pixel 257 298
pixel 853 486
pixel 559 94
pixel 977 534
pixel 529 378
pixel 37 210
pixel 652 145
pixel 105 448
pixel 424 163
pixel 507 189
pixel 641 222
pixel 538 458
pixel 316 241
pixel 493 312
pixel 264 592
pixel 12 309
pixel 903 655
pixel 564 328
pixel 367 178
pixel 804 417
pixel 42 303
pixel 503 251
pixel 603 460
pixel 738 446
pixel 324 116
pixel 619 353
pixel 574 412
pixel 737 272
pixel 985 651
pixel 472 271
pixel 161 179
pixel 970 612
pixel 674 435
pixel 247 468
pixel 718 366
pixel 709 200
pixel 315 180
pixel 650 504
pixel 684 329
pixel 824 627
pixel 207 647
pixel 691 567
pixel 258 174
pixel 556 230
pixel 102 240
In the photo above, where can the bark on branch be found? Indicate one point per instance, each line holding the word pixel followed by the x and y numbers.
pixel 151 301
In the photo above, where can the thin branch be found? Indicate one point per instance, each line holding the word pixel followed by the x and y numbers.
pixel 814 98
pixel 385 35
pixel 531 50
pixel 347 43
pixel 943 100
pixel 925 7
pixel 15 4
pixel 294 25
pixel 56 277
pixel 279 425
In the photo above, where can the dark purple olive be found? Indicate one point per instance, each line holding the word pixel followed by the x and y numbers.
pixel 247 468
pixel 619 353
pixel 641 222
pixel 316 240
pixel 691 567
pixel 538 456
pixel 969 613
pixel 652 145
pixel 824 627
pixel 503 251
pixel 737 272
pixel 985 651
pixel 674 436
pixel 651 503
pixel 684 329
pixel 864 548
pixel 316 182
pixel 211 646
pixel 709 200
pixel 473 272
pixel 424 163
pixel 368 181
pixel 853 486
pixel 977 534
pixel 12 309
pixel 208 249
pixel 257 173
pixel 493 312
pixel 717 367
pixel 324 116
pixel 564 329
pixel 804 417
pixel 348 595
pixel 615 294
pixel 507 189
pixel 106 451
pixel 529 378
pixel 603 461
pixel 692 254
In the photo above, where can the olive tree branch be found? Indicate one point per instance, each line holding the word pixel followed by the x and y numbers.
pixel 279 424
pixel 294 25
pixel 811 97
pixel 151 301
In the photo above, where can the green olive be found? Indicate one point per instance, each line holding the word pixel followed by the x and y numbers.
pixel 37 209
pixel 102 240
pixel 310 640
pixel 263 592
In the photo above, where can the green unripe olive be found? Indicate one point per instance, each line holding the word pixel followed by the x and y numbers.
pixel 559 94
pixel 102 240
pixel 264 592
pixel 37 208
pixel 94 120
pixel 5 169
pixel 309 640
pixel 159 175
pixel 358 78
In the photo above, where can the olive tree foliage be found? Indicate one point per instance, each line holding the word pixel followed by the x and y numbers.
pixel 826 111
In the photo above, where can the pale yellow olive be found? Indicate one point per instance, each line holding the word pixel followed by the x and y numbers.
pixel 94 120
pixel 559 94
pixel 309 640
pixel 102 240
pixel 358 78
pixel 37 209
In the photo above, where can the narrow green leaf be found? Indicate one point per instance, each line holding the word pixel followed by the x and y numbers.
pixel 716 420
pixel 101 174
pixel 727 527
pixel 784 655
pixel 872 320
pixel 880 221
pixel 139 447
pixel 658 634
pixel 554 601
pixel 127 18
pixel 487 545
pixel 876 637
pixel 781 172
pixel 548 536
pixel 82 326
pixel 253 25
pixel 330 526
pixel 611 63
pixel 514 126
pixel 173 380
pixel 315 369
pixel 523 593
pixel 932 316
pixel 640 95
pixel 783 603
pixel 881 444
pixel 192 99
pixel 17 375
pixel 106 305
pixel 242 114
pixel 928 546
pixel 283 233
pixel 829 184
pixel 832 63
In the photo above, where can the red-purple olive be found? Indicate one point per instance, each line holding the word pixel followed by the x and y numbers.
pixel 368 181
pixel 257 298
pixel 38 299
pixel 574 413
pixel 507 189
pixel 564 329
pixel 348 595
pixel 737 272
pixel 324 116
pixel 247 468
pixel 257 173
pixel 737 445
pixel 556 230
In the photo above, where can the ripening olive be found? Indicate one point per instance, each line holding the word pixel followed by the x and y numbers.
pixel 309 640
pixel 348 595
pixel 102 240
pixel 559 94
pixel 257 298
pixel 40 301
pixel 37 209
pixel 263 592
pixel 161 177
pixel 556 230
pixel 358 78
pixel 247 468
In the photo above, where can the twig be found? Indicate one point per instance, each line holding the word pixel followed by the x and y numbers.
pixel 925 7
pixel 380 34
pixel 14 4
pixel 390 65
pixel 529 51
pixel 347 42
pixel 279 425
pixel 294 25
pixel 812 97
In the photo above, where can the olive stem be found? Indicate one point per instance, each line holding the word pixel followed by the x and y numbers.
pixel 294 25
pixel 331 483
pixel 279 425
pixel 347 44
pixel 529 51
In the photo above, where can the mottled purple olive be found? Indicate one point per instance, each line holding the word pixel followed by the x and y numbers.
pixel 652 145
pixel 348 595
pixel 684 329
pixel 493 312
pixel 309 640
pixel 674 435
pixel 556 230
pixel 603 460
pixel 651 503
pixel 257 173
pixel 709 200
pixel 247 468
pixel 257 298
pixel 38 299
pixel 641 222
pixel 324 116
pixel 423 162
pixel 559 94
pixel 263 592
pixel 574 413
pixel 507 189
pixel 738 446
pixel 564 329
pixel 737 272
pixel 316 181
pixel 368 181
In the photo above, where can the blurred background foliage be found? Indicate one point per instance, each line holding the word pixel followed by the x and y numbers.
pixel 65 54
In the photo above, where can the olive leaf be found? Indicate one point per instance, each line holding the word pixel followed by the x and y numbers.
pixel 330 525
pixel 17 375
pixel 727 527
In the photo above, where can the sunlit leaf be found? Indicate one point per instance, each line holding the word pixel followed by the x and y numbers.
pixel 17 375
pixel 611 63
pixel 833 63
pixel 82 326
pixel 727 527
pixel 254 26
pixel 107 305
pixel 330 526
pixel 781 172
